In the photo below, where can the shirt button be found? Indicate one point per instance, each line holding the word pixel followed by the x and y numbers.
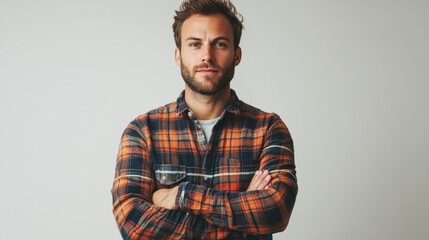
pixel 189 114
pixel 205 177
pixel 164 178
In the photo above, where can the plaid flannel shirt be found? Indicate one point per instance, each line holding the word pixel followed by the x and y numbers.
pixel 166 147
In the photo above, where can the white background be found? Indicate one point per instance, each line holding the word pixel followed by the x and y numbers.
pixel 349 78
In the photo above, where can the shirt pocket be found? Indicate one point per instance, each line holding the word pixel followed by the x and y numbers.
pixel 168 174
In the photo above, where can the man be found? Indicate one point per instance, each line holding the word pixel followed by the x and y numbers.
pixel 207 166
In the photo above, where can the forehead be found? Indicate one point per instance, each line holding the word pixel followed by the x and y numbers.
pixel 207 26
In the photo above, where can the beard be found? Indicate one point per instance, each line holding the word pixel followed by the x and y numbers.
pixel 219 84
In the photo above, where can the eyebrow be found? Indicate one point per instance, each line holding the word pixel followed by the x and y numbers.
pixel 199 39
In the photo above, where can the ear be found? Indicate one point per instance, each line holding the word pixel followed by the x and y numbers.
pixel 237 59
pixel 177 56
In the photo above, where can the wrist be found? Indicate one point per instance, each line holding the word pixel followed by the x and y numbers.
pixel 180 197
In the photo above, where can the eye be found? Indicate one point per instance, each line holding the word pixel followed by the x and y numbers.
pixel 221 45
pixel 194 44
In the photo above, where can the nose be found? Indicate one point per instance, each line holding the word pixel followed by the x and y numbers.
pixel 207 54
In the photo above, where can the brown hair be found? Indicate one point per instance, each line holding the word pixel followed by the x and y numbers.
pixel 208 7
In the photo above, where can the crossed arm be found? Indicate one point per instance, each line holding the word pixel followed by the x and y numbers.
pixel 142 212
pixel 166 198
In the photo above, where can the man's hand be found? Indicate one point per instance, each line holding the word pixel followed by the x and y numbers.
pixel 261 180
pixel 166 198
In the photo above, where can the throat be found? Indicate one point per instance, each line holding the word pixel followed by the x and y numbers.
pixel 207 107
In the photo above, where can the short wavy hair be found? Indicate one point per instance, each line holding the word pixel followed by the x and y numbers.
pixel 208 7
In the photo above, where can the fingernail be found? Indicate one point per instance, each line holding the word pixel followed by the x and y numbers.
pixel 258 172
pixel 266 171
pixel 267 178
pixel 266 187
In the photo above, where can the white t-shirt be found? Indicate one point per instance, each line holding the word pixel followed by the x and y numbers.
pixel 207 126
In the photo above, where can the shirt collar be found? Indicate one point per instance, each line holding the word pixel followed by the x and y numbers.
pixel 233 104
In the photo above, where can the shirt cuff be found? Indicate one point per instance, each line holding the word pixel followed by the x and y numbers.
pixel 199 200
pixel 180 198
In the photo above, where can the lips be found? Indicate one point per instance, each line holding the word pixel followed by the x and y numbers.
pixel 207 70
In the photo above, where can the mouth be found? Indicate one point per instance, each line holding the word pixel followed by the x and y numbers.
pixel 207 71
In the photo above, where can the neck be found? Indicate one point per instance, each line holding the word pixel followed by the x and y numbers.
pixel 207 107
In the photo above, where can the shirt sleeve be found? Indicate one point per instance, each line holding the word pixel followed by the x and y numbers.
pixel 136 216
pixel 256 212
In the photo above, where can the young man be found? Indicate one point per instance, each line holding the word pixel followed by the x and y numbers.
pixel 207 166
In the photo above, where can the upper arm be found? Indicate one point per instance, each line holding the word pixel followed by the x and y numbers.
pixel 134 178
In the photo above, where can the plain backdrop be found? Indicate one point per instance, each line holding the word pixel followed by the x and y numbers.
pixel 349 78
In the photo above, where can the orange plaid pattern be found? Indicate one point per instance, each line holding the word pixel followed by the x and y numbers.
pixel 166 147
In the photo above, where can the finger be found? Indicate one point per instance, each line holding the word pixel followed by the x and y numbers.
pixel 253 182
pixel 269 184
pixel 265 180
pixel 258 179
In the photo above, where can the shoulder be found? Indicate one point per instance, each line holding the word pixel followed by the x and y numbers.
pixel 259 120
pixel 145 124
pixel 249 111
pixel 164 112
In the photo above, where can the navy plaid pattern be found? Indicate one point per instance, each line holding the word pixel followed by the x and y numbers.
pixel 166 147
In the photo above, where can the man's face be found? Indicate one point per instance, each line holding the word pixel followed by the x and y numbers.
pixel 207 57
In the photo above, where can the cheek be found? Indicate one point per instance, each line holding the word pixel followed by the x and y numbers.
pixel 188 60
pixel 225 59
